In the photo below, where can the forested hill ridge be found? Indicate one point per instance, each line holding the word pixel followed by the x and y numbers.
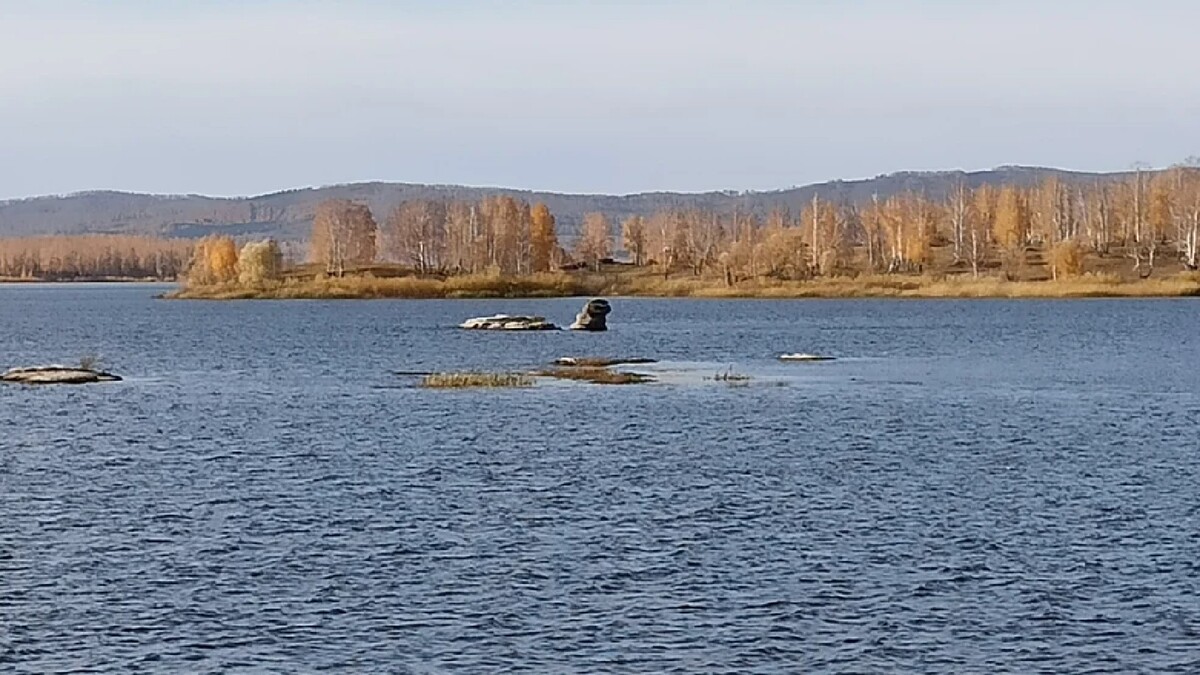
pixel 288 215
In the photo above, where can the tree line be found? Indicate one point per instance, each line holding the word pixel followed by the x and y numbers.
pixel 1143 218
pixel 93 257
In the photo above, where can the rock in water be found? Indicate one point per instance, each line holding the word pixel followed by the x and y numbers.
pixel 507 322
pixel 804 357
pixel 57 375
pixel 593 317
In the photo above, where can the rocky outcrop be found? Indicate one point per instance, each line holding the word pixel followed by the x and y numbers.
pixel 508 322
pixel 57 375
pixel 594 316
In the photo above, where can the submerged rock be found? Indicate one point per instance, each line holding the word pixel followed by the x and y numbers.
pixel 593 317
pixel 57 375
pixel 508 322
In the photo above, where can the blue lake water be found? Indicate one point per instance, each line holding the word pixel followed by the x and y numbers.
pixel 976 486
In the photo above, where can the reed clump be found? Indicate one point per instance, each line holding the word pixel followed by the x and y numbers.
pixel 472 380
pixel 731 375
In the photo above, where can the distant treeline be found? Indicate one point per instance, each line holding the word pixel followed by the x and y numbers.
pixel 94 257
pixel 1146 218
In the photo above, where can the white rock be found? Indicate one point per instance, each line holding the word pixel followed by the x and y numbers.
pixel 800 356
pixel 56 374
pixel 508 322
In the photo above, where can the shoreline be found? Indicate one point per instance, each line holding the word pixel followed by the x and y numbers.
pixel 571 286
pixel 86 280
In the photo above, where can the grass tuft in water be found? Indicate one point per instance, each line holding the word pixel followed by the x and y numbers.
pixel 731 376
pixel 471 380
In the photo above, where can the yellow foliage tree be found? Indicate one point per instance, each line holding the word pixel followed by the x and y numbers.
pixel 259 261
pixel 595 242
pixel 1012 228
pixel 543 238
pixel 1162 209
pixel 214 261
pixel 1067 259
pixel 1012 218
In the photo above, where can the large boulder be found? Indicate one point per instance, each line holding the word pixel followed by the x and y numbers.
pixel 508 322
pixel 57 375
pixel 594 316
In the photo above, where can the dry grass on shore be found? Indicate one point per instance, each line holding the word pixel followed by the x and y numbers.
pixel 412 287
pixel 639 284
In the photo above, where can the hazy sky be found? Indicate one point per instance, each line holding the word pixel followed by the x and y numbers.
pixel 228 97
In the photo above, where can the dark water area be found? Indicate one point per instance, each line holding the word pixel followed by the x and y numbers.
pixel 973 486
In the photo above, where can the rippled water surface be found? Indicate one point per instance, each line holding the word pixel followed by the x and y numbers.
pixel 980 486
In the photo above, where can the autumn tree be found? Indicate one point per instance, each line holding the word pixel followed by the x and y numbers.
pixel 414 233
pixel 507 230
pixel 959 210
pixel 1054 212
pixel 1011 228
pixel 595 240
pixel 826 235
pixel 742 254
pixel 543 238
pixel 464 250
pixel 979 225
pixel 634 238
pixel 343 235
pixel 910 223
pixel 781 252
pixel 1188 229
pixel 1097 206
pixel 699 239
pixel 258 262
pixel 662 239
pixel 214 261
pixel 1066 259
pixel 94 256
pixel 873 222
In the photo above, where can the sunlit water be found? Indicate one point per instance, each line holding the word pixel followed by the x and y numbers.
pixel 979 486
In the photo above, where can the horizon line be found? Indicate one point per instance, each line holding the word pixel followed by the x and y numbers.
pixel 356 183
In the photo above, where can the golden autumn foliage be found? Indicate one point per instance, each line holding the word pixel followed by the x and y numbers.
pixel 1011 218
pixel 259 262
pixel 543 238
pixel 595 241
pixel 1067 259
pixel 1122 229
pixel 214 261
pixel 93 257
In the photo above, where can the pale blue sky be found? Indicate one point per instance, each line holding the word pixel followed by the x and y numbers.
pixel 231 98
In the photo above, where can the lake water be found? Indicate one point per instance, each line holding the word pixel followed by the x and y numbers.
pixel 979 486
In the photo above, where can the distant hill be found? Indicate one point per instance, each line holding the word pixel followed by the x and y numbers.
pixel 288 215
